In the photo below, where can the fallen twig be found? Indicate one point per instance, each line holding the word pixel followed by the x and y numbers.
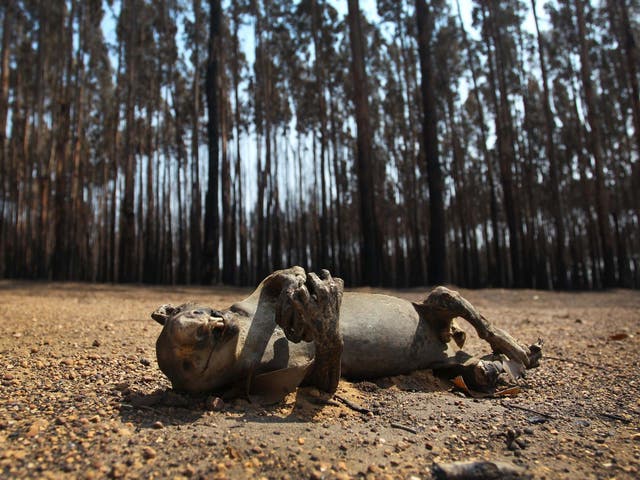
pixel 478 470
pixel 323 401
pixel 570 360
pixel 140 407
pixel 351 405
pixel 404 427
pixel 530 410
pixel 613 416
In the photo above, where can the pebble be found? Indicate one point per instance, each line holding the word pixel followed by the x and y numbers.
pixel 118 470
pixel 149 453
pixel 158 425
pixel 37 427
pixel 214 404
pixel 189 471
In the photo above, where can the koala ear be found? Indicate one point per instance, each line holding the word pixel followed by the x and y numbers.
pixel 162 314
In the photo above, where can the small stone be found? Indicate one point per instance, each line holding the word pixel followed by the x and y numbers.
pixel 300 441
pixel 428 445
pixel 37 427
pixel 158 425
pixel 148 453
pixel 145 362
pixel 214 404
pixel 118 470
pixel 189 471
pixel 96 343
pixel 401 446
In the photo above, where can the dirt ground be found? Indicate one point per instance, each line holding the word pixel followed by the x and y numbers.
pixel 80 385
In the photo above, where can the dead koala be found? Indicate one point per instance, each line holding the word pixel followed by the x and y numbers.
pixel 301 329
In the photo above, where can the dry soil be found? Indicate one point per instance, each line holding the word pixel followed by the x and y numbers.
pixel 81 396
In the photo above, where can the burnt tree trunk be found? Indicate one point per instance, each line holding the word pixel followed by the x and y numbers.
pixel 4 107
pixel 127 263
pixel 211 215
pixel 557 208
pixel 595 147
pixel 436 257
pixel 371 251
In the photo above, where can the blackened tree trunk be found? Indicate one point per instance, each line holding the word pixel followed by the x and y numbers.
pixel 127 266
pixel 371 251
pixel 195 219
pixel 631 52
pixel 243 276
pixel 436 258
pixel 228 223
pixel 505 141
pixel 61 252
pixel 319 69
pixel 4 107
pixel 557 209
pixel 494 268
pixel 150 241
pixel 595 147
pixel 211 215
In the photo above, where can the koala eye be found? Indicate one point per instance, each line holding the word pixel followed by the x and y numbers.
pixel 187 365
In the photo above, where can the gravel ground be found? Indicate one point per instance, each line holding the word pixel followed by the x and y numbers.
pixel 82 396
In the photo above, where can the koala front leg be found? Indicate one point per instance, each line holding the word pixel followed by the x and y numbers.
pixel 311 312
